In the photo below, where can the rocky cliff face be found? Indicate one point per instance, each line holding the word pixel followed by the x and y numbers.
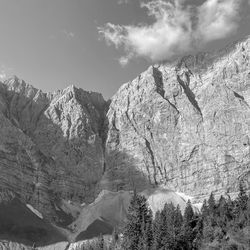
pixel 51 145
pixel 186 125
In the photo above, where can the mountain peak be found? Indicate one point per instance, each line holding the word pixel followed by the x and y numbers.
pixel 18 85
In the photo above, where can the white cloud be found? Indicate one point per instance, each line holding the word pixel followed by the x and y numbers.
pixel 178 28
pixel 218 19
pixel 124 60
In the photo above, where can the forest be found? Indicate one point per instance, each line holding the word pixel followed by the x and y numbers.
pixel 220 224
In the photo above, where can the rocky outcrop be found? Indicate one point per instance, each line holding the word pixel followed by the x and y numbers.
pixel 186 124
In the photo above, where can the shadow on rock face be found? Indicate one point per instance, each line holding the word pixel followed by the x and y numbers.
pixel 97 228
pixel 122 173
pixel 121 177
pixel 19 224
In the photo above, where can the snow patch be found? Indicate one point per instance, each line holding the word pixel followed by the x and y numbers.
pixel 184 196
pixel 33 210
pixel 198 205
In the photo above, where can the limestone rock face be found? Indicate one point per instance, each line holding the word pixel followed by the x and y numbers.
pixel 186 125
pixel 51 144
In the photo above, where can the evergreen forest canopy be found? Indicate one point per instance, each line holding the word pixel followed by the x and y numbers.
pixel 222 224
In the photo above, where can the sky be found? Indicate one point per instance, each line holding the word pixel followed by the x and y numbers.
pixel 98 45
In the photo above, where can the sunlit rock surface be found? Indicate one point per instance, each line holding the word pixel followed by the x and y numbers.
pixel 187 124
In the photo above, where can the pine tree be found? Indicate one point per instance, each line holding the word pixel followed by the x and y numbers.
pixel 240 208
pixel 132 228
pixel 188 231
pixel 211 204
pixel 148 231
pixel 248 212
pixel 208 230
pixel 178 222
pixel 138 217
pixel 188 213
pixel 178 219
pixel 143 237
pixel 168 239
pixel 230 209
pixel 115 238
pixel 157 231
pixel 242 197
pixel 204 209
pixel 222 213
pixel 100 243
pixel 198 232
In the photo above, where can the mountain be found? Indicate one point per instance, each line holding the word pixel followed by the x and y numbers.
pixel 181 126
pixel 186 124
pixel 51 144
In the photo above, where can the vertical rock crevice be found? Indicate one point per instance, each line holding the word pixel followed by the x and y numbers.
pixel 158 79
pixel 190 95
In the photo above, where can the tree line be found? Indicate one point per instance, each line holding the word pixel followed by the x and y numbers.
pixel 222 224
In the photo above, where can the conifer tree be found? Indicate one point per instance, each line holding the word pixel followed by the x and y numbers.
pixel 242 198
pixel 100 243
pixel 178 216
pixel 168 239
pixel 132 229
pixel 148 231
pixel 230 209
pixel 208 230
pixel 178 222
pixel 115 238
pixel 222 213
pixel 157 231
pixel 248 212
pixel 188 225
pixel 138 217
pixel 188 213
pixel 204 209
pixel 198 231
pixel 240 208
pixel 211 204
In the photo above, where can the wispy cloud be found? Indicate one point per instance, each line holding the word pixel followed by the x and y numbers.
pixel 64 33
pixel 2 75
pixel 178 28
pixel 125 1
pixel 68 34
pixel 5 72
pixel 124 60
